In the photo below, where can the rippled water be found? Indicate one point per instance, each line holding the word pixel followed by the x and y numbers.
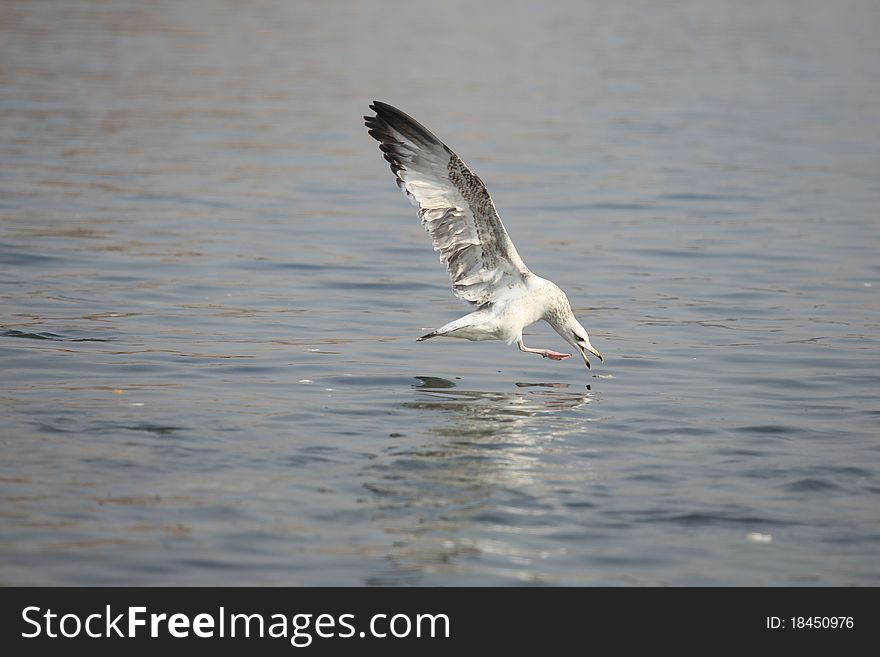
pixel 210 290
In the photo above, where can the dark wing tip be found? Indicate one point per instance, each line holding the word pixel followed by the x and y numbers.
pixel 378 105
pixel 403 123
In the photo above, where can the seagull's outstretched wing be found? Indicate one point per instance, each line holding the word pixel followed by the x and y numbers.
pixel 454 206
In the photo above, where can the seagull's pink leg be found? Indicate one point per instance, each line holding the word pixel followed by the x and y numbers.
pixel 545 353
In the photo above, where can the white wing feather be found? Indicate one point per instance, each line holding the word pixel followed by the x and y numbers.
pixel 454 206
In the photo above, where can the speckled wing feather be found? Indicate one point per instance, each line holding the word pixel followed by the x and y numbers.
pixel 454 206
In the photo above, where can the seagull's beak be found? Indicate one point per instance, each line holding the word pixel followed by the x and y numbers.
pixel 592 350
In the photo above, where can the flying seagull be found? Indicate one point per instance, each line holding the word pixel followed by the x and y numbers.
pixel 482 261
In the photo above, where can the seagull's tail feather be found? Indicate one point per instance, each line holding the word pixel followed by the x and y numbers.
pixel 477 325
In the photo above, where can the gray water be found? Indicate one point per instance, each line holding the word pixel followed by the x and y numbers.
pixel 210 289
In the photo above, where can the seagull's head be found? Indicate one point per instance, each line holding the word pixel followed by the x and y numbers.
pixel 579 339
pixel 561 317
pixel 575 335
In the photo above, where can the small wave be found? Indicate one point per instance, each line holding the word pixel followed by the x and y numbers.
pixel 46 335
pixel 810 485
pixel 12 333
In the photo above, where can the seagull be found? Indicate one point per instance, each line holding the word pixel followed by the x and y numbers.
pixel 460 216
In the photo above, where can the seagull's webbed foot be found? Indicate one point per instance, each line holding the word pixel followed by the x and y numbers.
pixel 555 355
pixel 544 353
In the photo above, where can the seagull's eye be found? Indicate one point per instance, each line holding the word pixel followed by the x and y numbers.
pixel 576 337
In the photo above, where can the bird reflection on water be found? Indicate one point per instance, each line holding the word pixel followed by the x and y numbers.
pixel 504 413
pixel 487 472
